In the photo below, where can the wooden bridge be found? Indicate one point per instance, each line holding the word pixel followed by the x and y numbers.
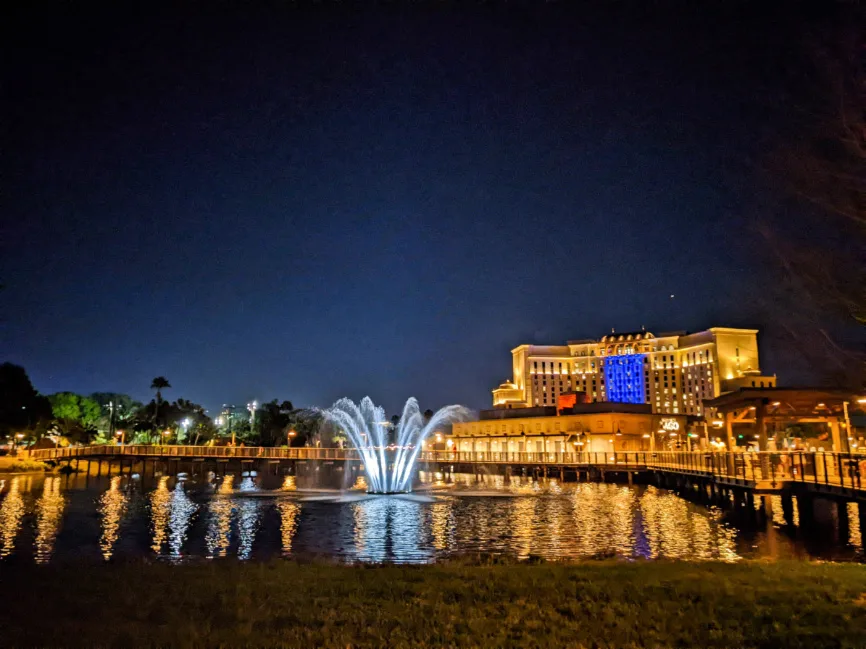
pixel 833 474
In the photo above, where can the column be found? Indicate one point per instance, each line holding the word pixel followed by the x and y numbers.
pixel 836 435
pixel 729 431
pixel 729 441
pixel 761 430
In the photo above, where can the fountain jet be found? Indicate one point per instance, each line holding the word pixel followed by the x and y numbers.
pixel 388 466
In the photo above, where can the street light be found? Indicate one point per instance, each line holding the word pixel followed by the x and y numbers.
pixel 18 438
pixel 122 435
pixel 166 433
pixel 292 434
pixel 185 424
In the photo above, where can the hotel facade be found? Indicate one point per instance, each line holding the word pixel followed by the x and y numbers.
pixel 673 373
pixel 639 391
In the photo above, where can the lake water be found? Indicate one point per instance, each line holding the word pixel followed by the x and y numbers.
pixel 75 518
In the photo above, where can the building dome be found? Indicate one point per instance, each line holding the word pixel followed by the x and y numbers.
pixel 507 385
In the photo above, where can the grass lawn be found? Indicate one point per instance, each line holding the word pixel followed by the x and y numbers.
pixel 594 604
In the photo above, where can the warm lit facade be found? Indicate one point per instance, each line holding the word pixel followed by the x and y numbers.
pixel 673 373
pixel 596 428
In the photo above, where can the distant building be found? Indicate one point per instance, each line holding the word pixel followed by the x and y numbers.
pixel 673 373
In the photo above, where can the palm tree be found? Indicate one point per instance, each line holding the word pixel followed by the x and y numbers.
pixel 159 384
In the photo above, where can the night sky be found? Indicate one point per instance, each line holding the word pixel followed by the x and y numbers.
pixel 307 204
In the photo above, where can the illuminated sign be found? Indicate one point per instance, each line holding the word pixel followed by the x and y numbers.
pixel 670 424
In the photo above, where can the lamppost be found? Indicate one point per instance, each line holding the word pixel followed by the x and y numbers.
pixel 122 435
pixel 252 408
pixel 291 435
pixel 166 434
pixel 18 438
pixel 185 424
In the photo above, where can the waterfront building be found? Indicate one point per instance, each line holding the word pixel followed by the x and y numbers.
pixel 672 373
pixel 601 427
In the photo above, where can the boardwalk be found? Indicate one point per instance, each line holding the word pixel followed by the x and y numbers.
pixel 839 473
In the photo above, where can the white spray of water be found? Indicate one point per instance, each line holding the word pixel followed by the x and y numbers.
pixel 388 466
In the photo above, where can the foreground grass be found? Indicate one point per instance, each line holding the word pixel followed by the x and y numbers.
pixel 598 604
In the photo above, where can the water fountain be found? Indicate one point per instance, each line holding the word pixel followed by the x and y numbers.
pixel 388 465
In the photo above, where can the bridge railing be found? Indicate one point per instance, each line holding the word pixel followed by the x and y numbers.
pixel 845 470
pixel 624 460
pixel 774 467
pixel 172 451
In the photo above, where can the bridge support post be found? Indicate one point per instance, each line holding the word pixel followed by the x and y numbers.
pixel 842 518
pixel 788 507
pixel 562 474
pixel 805 509
pixel 767 506
pixel 630 478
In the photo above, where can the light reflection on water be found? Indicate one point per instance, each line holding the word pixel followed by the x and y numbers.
pixel 112 506
pixel 11 513
pixel 49 513
pixel 289 512
pixel 519 517
pixel 182 511
pixel 160 507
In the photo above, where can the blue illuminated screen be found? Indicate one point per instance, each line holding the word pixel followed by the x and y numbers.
pixel 623 378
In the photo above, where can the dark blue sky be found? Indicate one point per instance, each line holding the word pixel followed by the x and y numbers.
pixel 311 204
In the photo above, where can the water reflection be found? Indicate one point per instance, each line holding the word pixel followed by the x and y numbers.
pixel 248 519
pixel 219 529
pixel 441 524
pixel 520 517
pixel 222 508
pixel 854 532
pixel 11 513
pixel 112 505
pixel 160 508
pixel 49 513
pixel 289 512
pixel 182 511
pixel 387 529
pixel 289 483
pixel 676 529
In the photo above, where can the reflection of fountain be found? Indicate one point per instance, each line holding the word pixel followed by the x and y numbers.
pixel 388 467
pixel 288 483
pixel 387 529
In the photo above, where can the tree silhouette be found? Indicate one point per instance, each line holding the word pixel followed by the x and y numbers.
pixel 159 384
